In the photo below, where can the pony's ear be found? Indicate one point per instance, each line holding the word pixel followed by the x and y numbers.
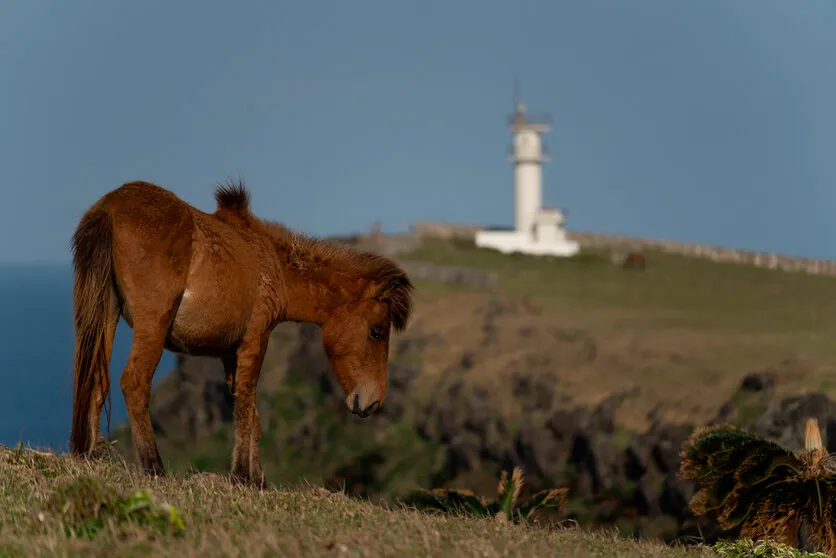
pixel 391 287
pixel 397 291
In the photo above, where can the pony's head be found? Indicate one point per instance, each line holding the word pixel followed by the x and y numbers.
pixel 356 336
pixel 357 298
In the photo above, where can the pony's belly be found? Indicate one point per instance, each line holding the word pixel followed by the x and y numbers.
pixel 204 324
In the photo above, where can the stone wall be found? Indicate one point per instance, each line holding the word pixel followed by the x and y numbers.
pixel 446 231
pixel 627 243
pixel 468 277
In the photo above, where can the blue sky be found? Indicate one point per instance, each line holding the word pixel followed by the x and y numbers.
pixel 710 121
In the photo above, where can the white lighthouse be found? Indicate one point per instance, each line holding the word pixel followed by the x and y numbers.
pixel 537 230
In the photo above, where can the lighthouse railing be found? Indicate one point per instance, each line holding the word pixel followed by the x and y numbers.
pixel 531 119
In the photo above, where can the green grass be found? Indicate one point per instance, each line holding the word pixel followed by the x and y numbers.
pixel 219 519
pixel 761 549
pixel 678 291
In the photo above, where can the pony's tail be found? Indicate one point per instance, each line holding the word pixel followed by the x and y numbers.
pixel 94 302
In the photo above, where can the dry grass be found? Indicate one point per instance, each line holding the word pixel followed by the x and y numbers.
pixel 225 520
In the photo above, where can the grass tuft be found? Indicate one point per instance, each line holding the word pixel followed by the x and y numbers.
pixel 85 506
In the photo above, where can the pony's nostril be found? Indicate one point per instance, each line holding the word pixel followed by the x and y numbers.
pixel 363 401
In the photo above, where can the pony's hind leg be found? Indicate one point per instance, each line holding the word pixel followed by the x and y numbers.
pixel 246 464
pixel 256 473
pixel 146 351
pixel 152 249
pixel 230 362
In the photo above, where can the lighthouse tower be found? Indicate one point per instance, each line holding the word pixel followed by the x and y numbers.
pixel 528 157
pixel 537 230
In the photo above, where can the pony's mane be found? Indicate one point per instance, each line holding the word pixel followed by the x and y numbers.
pixel 307 254
pixel 233 196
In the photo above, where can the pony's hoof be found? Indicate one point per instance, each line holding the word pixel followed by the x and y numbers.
pixel 242 479
pixel 262 483
pixel 154 470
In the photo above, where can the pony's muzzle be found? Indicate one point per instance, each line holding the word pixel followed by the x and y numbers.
pixel 362 401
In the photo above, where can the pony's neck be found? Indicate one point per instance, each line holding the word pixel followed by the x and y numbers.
pixel 312 296
pixel 315 276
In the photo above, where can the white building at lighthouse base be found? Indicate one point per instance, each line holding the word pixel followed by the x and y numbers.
pixel 546 238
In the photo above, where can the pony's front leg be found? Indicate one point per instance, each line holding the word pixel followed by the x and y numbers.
pixel 246 465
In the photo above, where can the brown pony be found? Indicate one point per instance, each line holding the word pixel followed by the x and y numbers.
pixel 634 260
pixel 216 285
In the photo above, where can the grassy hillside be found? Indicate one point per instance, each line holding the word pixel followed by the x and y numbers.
pixel 682 332
pixel 40 517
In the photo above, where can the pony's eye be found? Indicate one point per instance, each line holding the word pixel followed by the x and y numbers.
pixel 376 333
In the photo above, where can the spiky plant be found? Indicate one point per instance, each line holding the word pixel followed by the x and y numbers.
pixel 770 492
pixel 505 507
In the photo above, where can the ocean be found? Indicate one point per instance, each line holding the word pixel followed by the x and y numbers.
pixel 36 350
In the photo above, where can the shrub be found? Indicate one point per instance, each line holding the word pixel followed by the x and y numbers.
pixel 769 491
